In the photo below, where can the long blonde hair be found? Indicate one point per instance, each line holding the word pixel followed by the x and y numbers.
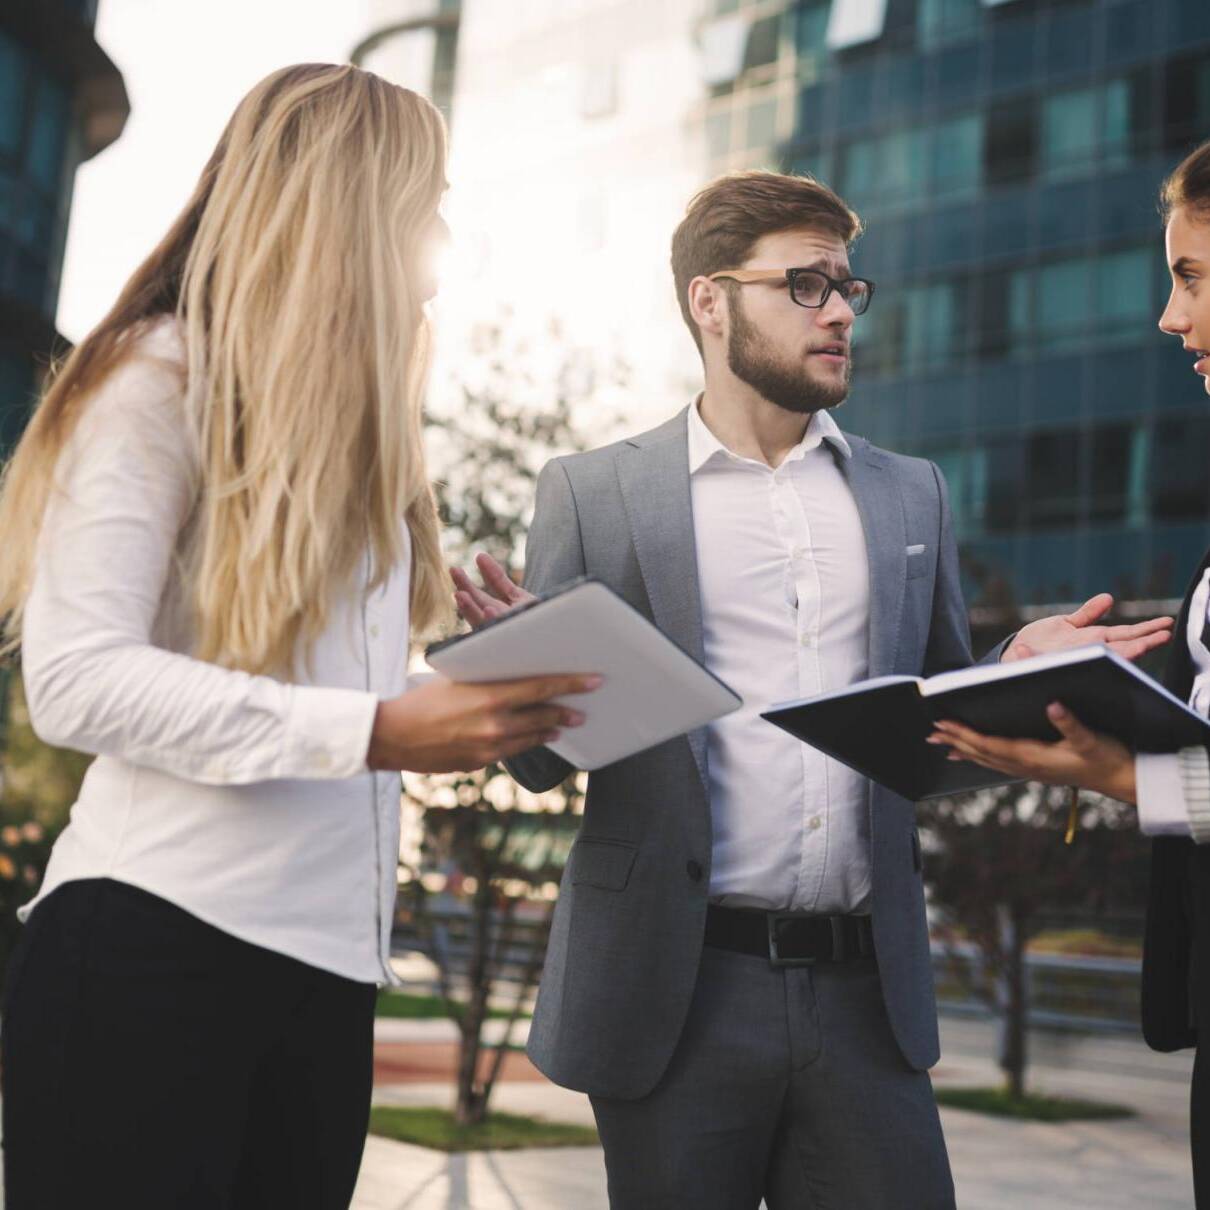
pixel 294 272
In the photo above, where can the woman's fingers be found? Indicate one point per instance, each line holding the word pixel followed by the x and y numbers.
pixel 533 690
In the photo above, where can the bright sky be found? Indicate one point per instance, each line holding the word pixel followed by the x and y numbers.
pixel 186 65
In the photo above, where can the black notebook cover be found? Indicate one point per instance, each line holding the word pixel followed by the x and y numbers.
pixel 879 727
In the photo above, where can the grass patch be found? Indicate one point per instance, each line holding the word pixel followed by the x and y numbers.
pixel 436 1128
pixel 1032 1107
pixel 410 1007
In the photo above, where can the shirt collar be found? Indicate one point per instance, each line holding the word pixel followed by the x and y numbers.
pixel 704 445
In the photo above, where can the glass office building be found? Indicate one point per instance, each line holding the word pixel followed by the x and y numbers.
pixel 1006 157
pixel 61 101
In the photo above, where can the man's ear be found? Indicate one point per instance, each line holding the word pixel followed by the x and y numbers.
pixel 708 305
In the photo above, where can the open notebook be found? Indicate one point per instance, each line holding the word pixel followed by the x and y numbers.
pixel 878 727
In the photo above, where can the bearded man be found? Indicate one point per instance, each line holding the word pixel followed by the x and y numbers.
pixel 739 972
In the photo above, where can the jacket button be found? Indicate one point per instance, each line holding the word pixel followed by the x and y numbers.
pixel 694 870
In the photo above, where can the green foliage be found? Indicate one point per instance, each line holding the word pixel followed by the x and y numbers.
pixel 404 1006
pixel 38 786
pixel 437 1128
pixel 494 849
pixel 1031 1107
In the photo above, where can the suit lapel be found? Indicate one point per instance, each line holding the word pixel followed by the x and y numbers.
pixel 880 505
pixel 1178 672
pixel 653 472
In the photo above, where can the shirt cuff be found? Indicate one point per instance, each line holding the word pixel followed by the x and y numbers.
pixel 1161 795
pixel 1195 778
pixel 328 731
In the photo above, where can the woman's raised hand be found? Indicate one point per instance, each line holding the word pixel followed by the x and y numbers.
pixel 444 727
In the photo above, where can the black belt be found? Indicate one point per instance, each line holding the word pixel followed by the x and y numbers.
pixel 789 938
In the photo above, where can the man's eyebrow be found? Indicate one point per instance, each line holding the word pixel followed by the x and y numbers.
pixel 1183 264
pixel 828 265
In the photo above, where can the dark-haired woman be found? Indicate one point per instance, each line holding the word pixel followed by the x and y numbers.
pixel 1172 792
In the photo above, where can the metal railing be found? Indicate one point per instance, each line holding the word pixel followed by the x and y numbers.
pixel 1067 991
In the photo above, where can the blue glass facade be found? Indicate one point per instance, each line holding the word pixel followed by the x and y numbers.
pixel 61 100
pixel 1006 160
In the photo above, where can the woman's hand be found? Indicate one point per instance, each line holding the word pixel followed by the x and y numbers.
pixel 498 596
pixel 444 727
pixel 1081 758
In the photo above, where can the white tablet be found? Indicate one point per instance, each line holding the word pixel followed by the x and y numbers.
pixel 653 690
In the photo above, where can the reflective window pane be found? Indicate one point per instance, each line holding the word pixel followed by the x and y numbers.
pixel 12 96
pixel 1052 498
pixel 1123 289
pixel 957 147
pixel 762 124
pixel 1064 301
pixel 1069 128
pixel 48 135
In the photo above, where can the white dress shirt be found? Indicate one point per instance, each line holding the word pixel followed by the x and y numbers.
pixel 243 799
pixel 785 594
pixel 1173 790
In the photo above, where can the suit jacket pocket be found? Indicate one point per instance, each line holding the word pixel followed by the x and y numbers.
pixel 919 561
pixel 602 863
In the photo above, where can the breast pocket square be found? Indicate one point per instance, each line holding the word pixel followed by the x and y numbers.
pixel 916 550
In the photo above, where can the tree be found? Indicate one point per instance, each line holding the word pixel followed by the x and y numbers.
pixel 500 848
pixel 38 785
pixel 996 865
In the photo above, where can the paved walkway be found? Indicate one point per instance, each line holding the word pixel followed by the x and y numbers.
pixel 998 1165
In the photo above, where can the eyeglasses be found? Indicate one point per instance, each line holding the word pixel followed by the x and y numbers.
pixel 808 287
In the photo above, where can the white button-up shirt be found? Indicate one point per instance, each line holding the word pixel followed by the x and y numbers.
pixel 243 799
pixel 785 594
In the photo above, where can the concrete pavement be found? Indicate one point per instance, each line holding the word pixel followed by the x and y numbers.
pixel 998 1165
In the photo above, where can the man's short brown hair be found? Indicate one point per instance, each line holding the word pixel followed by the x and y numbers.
pixel 725 220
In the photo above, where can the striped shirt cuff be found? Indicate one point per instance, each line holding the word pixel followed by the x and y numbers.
pixel 1195 780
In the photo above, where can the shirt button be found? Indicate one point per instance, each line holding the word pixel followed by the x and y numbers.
pixel 694 870
pixel 805 640
pixel 814 823
pixel 322 761
pixel 374 631
pixel 800 552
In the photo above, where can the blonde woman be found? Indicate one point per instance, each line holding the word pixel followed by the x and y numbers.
pixel 217 537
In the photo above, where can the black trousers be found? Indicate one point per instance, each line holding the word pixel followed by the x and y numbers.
pixel 153 1061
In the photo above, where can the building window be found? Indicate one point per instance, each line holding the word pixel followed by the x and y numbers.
pixel 810 39
pixel 930 336
pixel 12 97
pixel 1010 148
pixel 762 124
pixel 941 21
pixel 762 46
pixel 1052 496
pixel 957 147
pixel 1060 305
pixel 855 22
pixel 1085 126
pixel 1180 487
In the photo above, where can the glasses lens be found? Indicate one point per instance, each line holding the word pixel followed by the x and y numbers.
pixel 856 293
pixel 809 288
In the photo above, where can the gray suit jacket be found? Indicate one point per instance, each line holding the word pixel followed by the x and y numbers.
pixel 627 933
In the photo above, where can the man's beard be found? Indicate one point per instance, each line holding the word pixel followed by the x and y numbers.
pixel 793 388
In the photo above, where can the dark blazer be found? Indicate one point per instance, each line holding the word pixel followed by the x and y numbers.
pixel 627 935
pixel 1176 968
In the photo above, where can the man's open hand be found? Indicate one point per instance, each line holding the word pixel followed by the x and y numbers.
pixel 498 596
pixel 1079 629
